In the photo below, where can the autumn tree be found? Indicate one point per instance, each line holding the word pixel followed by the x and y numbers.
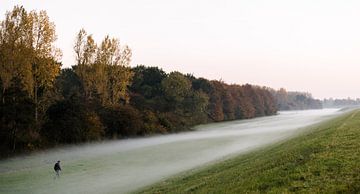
pixel 85 52
pixel 27 46
pixel 229 105
pixel 215 107
pixel 29 64
pixel 116 61
pixel 289 100
pixel 101 96
pixel 269 101
pixel 104 69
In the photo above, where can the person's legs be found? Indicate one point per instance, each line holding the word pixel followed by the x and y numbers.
pixel 58 173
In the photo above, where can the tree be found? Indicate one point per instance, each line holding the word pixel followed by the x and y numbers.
pixel 11 40
pixel 147 81
pixel 270 102
pixel 229 105
pixel 121 121
pixel 176 87
pixel 118 70
pixel 85 51
pixel 215 108
pixel 104 69
pixel 16 119
pixel 194 107
pixel 287 100
pixel 68 84
pixel 202 84
pixel 27 44
pixel 71 121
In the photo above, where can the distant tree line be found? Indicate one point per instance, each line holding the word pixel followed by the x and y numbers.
pixel 338 103
pixel 101 96
pixel 287 100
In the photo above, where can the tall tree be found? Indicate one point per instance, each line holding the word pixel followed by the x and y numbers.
pixel 104 69
pixel 115 61
pixel 85 51
pixel 27 41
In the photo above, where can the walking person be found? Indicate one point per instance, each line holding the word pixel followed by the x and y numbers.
pixel 57 169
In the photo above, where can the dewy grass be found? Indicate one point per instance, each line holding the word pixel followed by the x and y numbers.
pixel 326 159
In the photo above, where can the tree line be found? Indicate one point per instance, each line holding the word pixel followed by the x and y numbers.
pixel 288 100
pixel 101 96
pixel 339 103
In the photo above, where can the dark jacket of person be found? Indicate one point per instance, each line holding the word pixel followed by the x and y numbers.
pixel 57 166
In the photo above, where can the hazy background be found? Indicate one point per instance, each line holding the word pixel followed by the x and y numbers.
pixel 307 45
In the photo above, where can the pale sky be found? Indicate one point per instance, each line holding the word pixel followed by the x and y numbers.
pixel 307 45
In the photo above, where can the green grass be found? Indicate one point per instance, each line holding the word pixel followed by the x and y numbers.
pixel 325 159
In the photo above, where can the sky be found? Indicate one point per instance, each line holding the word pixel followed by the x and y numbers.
pixel 309 45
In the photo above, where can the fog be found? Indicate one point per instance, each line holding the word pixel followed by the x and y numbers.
pixel 128 165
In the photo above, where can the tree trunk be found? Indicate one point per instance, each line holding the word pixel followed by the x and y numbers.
pixel 36 105
pixel 3 96
pixel 14 139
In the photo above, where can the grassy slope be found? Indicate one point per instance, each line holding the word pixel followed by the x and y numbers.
pixel 326 160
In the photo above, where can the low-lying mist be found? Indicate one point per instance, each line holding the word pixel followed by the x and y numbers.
pixel 127 165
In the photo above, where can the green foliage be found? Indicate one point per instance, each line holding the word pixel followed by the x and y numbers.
pixel 326 159
pixel 176 87
pixel 68 84
pixel 147 81
pixel 196 102
pixel 201 84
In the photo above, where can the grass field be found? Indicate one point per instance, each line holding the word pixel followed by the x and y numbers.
pixel 128 165
pixel 325 159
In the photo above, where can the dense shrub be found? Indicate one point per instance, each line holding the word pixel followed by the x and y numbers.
pixel 121 121
pixel 71 121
